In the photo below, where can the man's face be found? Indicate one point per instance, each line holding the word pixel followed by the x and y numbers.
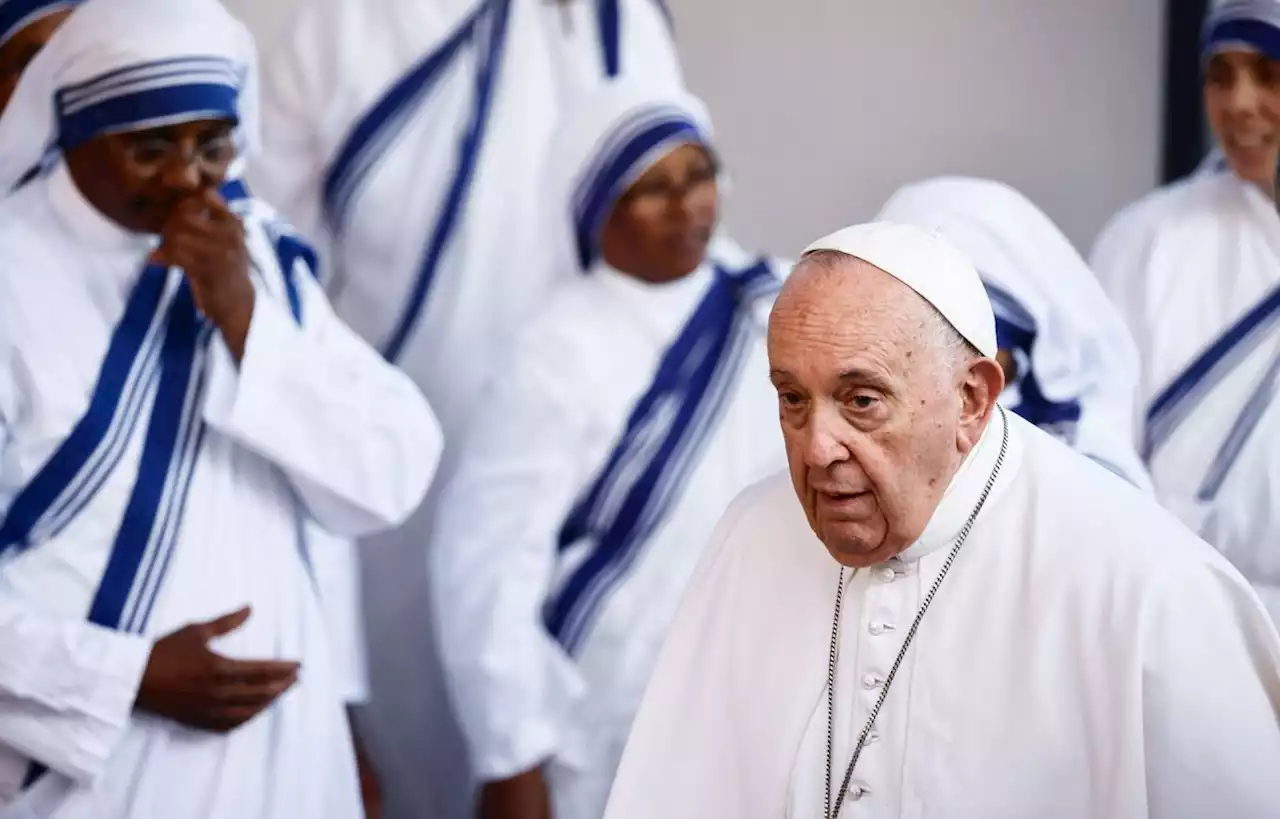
pixel 137 178
pixel 877 416
pixel 1242 101
pixel 22 48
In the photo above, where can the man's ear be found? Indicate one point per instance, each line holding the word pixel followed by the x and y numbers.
pixel 982 384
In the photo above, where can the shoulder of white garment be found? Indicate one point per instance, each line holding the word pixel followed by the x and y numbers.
pixel 1164 207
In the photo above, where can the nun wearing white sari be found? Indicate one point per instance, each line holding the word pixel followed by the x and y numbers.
pixel 409 138
pixel 177 404
pixel 634 407
pixel 1195 269
pixel 1070 364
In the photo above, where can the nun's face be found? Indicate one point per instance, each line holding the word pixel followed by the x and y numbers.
pixel 1242 100
pixel 660 229
pixel 877 411
pixel 22 48
pixel 136 179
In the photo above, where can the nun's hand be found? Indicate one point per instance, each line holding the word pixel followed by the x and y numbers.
pixel 206 240
pixel 524 796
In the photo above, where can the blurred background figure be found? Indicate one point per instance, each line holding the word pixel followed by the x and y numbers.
pixel 1195 268
pixel 410 139
pixel 25 27
pixel 633 408
pixel 1070 364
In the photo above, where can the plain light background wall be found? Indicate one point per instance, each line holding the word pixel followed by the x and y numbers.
pixel 824 107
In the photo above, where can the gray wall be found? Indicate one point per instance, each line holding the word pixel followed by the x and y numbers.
pixel 823 107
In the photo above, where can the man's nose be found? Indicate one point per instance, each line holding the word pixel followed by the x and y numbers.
pixel 823 445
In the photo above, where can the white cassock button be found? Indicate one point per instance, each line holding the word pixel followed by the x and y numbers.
pixel 870 682
pixel 888 575
pixel 856 792
pixel 877 628
pixel 874 736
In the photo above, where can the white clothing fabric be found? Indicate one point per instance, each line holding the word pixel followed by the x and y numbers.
pixel 1077 363
pixel 542 665
pixel 1195 269
pixel 378 112
pixel 148 480
pixel 928 264
pixel 1086 657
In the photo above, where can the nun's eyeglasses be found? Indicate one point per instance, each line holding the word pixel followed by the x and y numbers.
pixel 152 154
pixel 653 196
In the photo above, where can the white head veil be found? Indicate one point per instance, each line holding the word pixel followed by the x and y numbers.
pixel 120 65
pixel 1081 352
pixel 603 146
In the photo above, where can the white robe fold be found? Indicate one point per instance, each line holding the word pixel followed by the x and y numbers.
pixel 1195 269
pixel 1085 658
pixel 310 425
pixel 525 691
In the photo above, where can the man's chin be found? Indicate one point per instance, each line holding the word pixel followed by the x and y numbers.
pixel 854 552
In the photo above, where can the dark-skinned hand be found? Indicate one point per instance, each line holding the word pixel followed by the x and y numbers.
pixel 524 796
pixel 204 238
pixel 370 788
pixel 191 684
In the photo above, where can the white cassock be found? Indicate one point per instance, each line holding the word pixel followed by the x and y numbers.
pixel 148 481
pixel 1086 657
pixel 1195 268
pixel 595 471
pixel 409 138
pixel 1077 366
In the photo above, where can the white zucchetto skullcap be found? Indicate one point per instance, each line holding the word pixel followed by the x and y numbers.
pixel 929 265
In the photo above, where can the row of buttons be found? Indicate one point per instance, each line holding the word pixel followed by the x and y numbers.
pixel 870 682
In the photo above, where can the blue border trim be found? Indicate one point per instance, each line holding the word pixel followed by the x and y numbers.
pixel 364 145
pixel 691 388
pixel 45 492
pixel 469 154
pixel 1174 404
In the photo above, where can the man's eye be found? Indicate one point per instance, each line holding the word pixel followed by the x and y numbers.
pixel 864 402
pixel 790 399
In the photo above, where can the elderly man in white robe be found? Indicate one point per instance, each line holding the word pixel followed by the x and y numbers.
pixel 943 611
pixel 601 459
pixel 178 403
pixel 408 137
pixel 1195 269
pixel 1070 364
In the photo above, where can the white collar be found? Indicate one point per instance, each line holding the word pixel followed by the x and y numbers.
pixel 663 308
pixel 962 493
pixel 86 223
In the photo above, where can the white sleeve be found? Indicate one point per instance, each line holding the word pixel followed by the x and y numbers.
pixel 352 432
pixel 67 688
pixel 1211 698
pixel 335 565
pixel 492 562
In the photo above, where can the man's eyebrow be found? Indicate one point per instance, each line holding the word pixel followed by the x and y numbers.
pixel 867 376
